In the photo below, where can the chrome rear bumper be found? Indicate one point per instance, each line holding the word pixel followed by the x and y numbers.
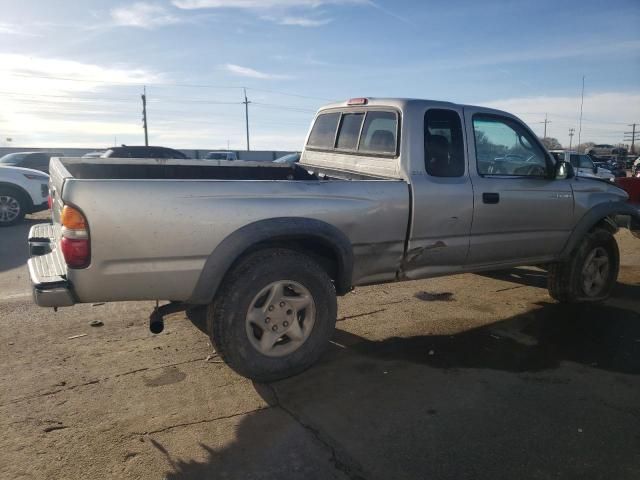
pixel 47 269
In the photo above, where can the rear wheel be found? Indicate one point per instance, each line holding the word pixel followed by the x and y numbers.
pixel 274 315
pixel 12 207
pixel 591 272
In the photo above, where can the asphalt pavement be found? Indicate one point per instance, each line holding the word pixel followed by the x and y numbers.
pixel 462 377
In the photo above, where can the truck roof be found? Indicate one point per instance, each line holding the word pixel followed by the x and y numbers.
pixel 403 103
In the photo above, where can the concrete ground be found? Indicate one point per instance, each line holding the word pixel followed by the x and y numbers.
pixel 470 376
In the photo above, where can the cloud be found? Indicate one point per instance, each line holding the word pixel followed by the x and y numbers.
pixel 303 21
pixel 251 73
pixel 143 15
pixel 605 115
pixel 262 4
pixel 34 88
pixel 10 29
pixel 31 74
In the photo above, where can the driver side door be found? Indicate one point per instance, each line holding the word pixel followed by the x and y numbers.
pixel 521 212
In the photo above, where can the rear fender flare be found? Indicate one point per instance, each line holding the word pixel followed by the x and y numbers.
pixel 280 229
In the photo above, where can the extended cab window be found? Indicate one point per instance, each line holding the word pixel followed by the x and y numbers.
pixel 504 147
pixel 379 133
pixel 349 131
pixel 323 132
pixel 443 145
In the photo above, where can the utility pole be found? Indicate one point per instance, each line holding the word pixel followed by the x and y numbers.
pixel 144 117
pixel 581 104
pixel 246 115
pixel 631 136
pixel 545 125
pixel 571 134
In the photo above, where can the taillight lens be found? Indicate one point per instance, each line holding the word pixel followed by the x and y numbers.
pixel 76 252
pixel 75 244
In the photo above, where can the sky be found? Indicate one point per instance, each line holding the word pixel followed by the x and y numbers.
pixel 71 73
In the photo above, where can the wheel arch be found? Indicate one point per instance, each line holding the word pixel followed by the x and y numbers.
pixel 329 246
pixel 600 216
pixel 25 195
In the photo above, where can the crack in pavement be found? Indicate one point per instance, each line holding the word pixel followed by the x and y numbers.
pixel 197 422
pixel 93 382
pixel 341 460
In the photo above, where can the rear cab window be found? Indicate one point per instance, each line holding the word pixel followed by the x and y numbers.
pixel 363 132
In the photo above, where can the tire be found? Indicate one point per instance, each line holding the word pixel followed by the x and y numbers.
pixel 568 282
pixel 10 200
pixel 238 319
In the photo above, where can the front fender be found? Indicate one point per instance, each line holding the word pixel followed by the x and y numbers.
pixel 595 215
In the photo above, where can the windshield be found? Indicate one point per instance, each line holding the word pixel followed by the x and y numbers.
pixel 13 158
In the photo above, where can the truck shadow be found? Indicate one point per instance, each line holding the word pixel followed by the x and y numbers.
pixel 528 276
pixel 442 406
pixel 13 244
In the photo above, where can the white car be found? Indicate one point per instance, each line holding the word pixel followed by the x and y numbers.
pixel 583 165
pixel 22 191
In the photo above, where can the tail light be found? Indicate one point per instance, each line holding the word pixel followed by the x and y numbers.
pixel 75 244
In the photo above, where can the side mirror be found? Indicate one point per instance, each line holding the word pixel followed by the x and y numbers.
pixel 564 170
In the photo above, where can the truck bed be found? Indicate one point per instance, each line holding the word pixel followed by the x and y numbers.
pixel 154 223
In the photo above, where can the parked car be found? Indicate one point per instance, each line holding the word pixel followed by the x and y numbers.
pixel 22 191
pixel 605 150
pixel 33 160
pixel 96 154
pixel 583 165
pixel 288 159
pixel 373 200
pixel 221 156
pixel 126 151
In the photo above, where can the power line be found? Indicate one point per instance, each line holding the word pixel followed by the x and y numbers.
pixel 545 125
pixel 167 84
pixel 632 137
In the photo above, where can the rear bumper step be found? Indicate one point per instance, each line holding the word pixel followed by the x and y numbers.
pixel 47 270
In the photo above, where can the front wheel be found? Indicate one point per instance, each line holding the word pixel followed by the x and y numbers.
pixel 591 272
pixel 274 315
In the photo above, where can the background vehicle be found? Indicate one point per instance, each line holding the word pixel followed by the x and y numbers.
pixel 289 159
pixel 22 191
pixel 126 151
pixel 96 154
pixel 33 160
pixel 372 200
pixel 605 150
pixel 221 156
pixel 583 165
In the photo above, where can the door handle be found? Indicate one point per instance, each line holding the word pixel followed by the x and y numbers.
pixel 490 197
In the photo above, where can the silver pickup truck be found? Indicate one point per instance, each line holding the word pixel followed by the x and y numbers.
pixel 386 190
